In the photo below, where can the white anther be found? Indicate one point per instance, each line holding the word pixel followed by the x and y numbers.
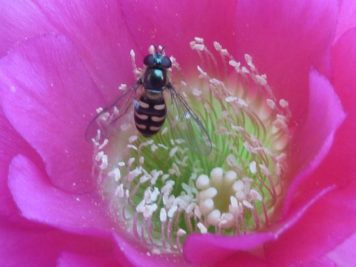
pixel 154 147
pixel 99 110
pixel 144 178
pixel 227 220
pixel 121 164
pixel 163 215
pixel 198 47
pixel 103 159
pixel 132 147
pixel 211 192
pixel 132 138
pixel 249 62
pixel 116 174
pixel 261 79
pixel 181 232
pixel 164 131
pixel 254 195
pixel 283 103
pixel 224 52
pixel 245 70
pixel 253 167
pixel 234 63
pixel 216 175
pixel 134 173
pixel 172 211
pixel 242 103
pixel 149 210
pixel 120 192
pixel 238 186
pixel 132 53
pixel 230 99
pixel 202 72
pixel 230 177
pixel 141 206
pixel 202 182
pixel 199 40
pixel 202 228
pixel 122 87
pixel 197 92
pixel 233 202
pixel 189 208
pixel 217 46
pixel 206 206
pixel 130 161
pixel 151 49
pixel 247 204
pixel 271 103
pixel 163 146
pixel 231 160
pixel 214 217
pixel 173 151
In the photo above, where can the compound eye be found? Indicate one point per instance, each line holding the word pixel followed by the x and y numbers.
pixel 149 60
pixel 166 62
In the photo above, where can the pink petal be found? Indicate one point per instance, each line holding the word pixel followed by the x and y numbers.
pixel 174 24
pixel 312 140
pixel 344 254
pixel 11 144
pixel 100 36
pixel 20 20
pixel 347 17
pixel 22 247
pixel 219 248
pixel 333 219
pixel 48 96
pixel 28 244
pixel 137 256
pixel 39 201
pixel 285 39
pixel 241 259
pixel 68 259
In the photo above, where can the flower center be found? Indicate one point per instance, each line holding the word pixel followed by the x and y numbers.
pixel 162 188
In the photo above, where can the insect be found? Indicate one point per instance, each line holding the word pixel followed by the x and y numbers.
pixel 150 110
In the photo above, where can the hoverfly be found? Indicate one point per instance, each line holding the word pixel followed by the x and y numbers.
pixel 150 109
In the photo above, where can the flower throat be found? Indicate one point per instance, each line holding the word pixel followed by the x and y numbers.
pixel 161 189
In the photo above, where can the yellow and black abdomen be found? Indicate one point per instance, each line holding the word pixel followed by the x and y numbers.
pixel 150 114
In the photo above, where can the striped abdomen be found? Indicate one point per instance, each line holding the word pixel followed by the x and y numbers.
pixel 150 114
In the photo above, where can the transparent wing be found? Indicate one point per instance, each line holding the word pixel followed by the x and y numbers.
pixel 186 125
pixel 107 121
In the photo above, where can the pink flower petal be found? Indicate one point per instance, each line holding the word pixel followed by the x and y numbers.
pixel 11 144
pixel 219 248
pixel 68 259
pixel 285 38
pixel 138 256
pixel 344 254
pixel 39 201
pixel 100 36
pixel 22 247
pixel 347 17
pixel 48 96
pixel 175 24
pixel 242 259
pixel 20 20
pixel 333 219
pixel 30 244
pixel 313 139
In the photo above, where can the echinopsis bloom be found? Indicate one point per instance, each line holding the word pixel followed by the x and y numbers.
pixel 275 189
pixel 164 187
